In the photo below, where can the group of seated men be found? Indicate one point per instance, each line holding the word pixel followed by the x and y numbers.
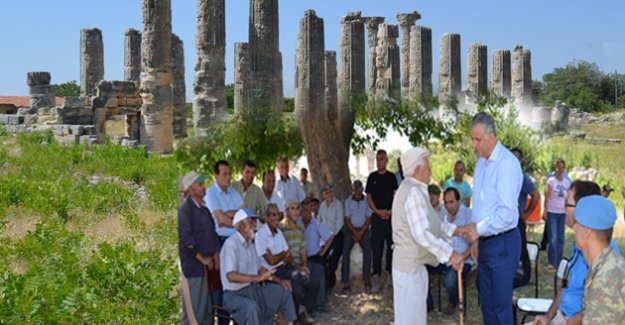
pixel 276 265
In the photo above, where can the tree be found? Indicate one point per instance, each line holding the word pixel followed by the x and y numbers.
pixel 67 89
pixel 230 96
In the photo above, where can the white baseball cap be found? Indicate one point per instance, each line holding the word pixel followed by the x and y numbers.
pixel 243 214
pixel 190 178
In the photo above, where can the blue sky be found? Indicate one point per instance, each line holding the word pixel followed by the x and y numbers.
pixel 43 35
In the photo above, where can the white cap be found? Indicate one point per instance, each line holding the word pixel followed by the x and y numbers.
pixel 190 178
pixel 411 158
pixel 243 214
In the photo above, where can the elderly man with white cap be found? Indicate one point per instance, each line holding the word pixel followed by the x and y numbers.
pixel 252 294
pixel 420 238
pixel 604 291
pixel 198 248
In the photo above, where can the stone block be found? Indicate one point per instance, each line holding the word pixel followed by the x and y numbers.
pixel 130 143
pixel 88 140
pixel 15 119
pixel 38 78
pixel 4 119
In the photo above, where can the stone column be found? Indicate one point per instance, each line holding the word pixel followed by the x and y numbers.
pixel 420 63
pixel 477 71
pixel 209 86
pixel 331 94
pixel 157 107
pixel 265 58
pixel 310 81
pixel 132 55
pixel 132 72
pixel 522 78
pixel 242 75
pixel 449 82
pixel 351 79
pixel 179 87
pixel 387 63
pixel 501 82
pixel 41 92
pixel 406 21
pixel 91 60
pixel 372 24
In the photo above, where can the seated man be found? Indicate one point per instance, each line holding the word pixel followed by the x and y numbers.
pixel 331 215
pixel 271 245
pixel 247 301
pixel 567 304
pixel 223 201
pixel 357 221
pixel 458 215
pixel 435 200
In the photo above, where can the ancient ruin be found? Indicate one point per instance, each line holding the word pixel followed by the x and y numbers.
pixel 449 82
pixel 406 21
pixel 477 71
pixel 420 63
pixel 132 55
pixel 387 55
pixel 351 82
pixel 91 60
pixel 372 24
pixel 179 87
pixel 501 75
pixel 209 88
pixel 522 78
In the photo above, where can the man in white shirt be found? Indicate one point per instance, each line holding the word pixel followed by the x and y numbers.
pixel 268 187
pixel 288 186
pixel 331 215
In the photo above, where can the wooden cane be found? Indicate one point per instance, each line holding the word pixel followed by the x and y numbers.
pixel 460 305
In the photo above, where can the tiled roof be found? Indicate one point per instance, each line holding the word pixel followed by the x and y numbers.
pixel 23 101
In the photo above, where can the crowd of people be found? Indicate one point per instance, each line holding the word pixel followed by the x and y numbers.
pixel 254 252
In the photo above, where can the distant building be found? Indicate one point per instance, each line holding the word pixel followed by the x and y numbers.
pixel 10 104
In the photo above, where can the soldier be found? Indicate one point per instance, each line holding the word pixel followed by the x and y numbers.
pixel 604 291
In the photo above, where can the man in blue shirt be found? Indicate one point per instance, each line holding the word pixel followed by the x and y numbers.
pixel 222 200
pixel 497 183
pixel 460 184
pixel 567 304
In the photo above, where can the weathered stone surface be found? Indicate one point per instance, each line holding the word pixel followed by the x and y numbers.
pixel 156 77
pixel 310 79
pixel 560 117
pixel 91 60
pixel 265 58
pixel 38 78
pixel 372 24
pixel 449 74
pixel 331 91
pixel 406 21
pixel 74 111
pixel 132 55
pixel 351 78
pixel 501 75
pixel 242 75
pixel 180 114
pixel 477 71
pixel 420 63
pixel 522 78
pixel 388 84
pixel 209 88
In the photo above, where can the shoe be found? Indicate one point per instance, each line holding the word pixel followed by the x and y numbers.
pixel 430 308
pixel 451 308
pixel 368 286
pixel 324 309
pixel 551 267
pixel 303 319
pixel 346 289
pixel 376 284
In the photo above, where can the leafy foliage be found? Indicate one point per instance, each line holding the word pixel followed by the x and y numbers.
pixel 582 84
pixel 67 89
pixel 260 135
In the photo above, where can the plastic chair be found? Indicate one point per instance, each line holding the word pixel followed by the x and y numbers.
pixel 533 250
pixel 536 306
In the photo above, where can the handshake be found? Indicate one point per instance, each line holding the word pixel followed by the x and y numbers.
pixel 469 233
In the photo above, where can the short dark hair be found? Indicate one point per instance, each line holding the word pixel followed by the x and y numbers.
pixel 248 163
pixel 454 190
pixel 604 235
pixel 267 172
pixel 560 160
pixel 219 163
pixel 459 162
pixel 517 150
pixel 583 189
pixel 283 159
pixel 381 152
pixel 304 170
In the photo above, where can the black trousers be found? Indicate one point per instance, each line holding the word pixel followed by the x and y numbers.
pixel 381 232
pixel 332 257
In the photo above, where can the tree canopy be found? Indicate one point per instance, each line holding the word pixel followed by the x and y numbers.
pixel 67 89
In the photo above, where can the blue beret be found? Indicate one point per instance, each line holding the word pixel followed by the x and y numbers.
pixel 595 212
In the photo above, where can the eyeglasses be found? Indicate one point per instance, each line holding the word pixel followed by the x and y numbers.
pixel 569 205
pixel 293 208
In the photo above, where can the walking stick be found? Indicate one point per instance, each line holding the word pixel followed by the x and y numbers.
pixel 460 304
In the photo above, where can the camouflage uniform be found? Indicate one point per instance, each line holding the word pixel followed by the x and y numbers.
pixel 295 238
pixel 604 293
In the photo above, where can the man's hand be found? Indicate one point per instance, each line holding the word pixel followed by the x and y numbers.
pixel 525 215
pixel 475 251
pixel 285 283
pixel 287 259
pixel 470 233
pixel 216 260
pixel 265 276
pixel 457 261
pixel 541 320
pixel 544 216
pixel 205 260
pixel 304 269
